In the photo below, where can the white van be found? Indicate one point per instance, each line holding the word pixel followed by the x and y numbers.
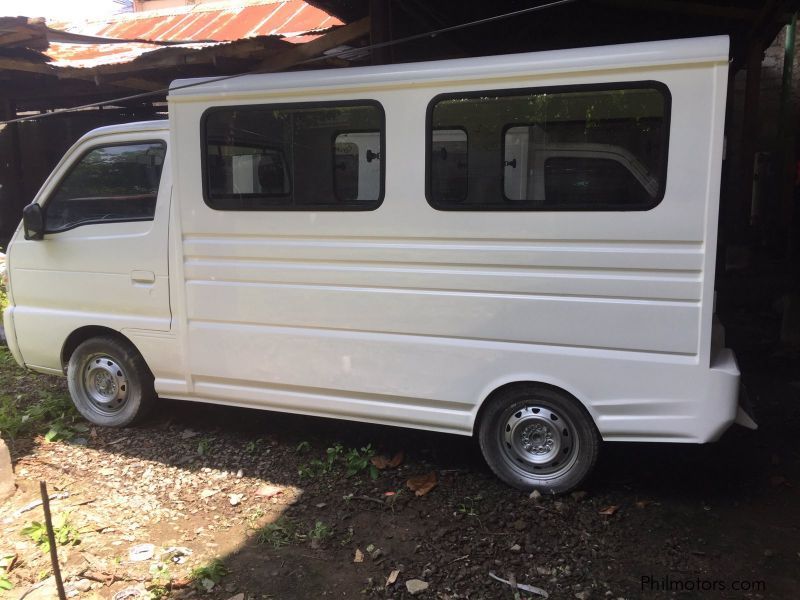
pixel 519 248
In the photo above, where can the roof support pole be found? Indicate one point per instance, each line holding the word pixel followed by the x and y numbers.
pixel 787 149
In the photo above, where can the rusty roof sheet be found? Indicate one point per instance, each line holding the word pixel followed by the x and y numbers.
pixel 226 20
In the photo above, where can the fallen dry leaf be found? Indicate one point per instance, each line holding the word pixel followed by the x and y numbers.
pixel 383 462
pixel 392 577
pixel 359 557
pixel 609 510
pixel 422 484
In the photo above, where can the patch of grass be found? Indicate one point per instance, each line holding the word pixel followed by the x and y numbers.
pixel 28 409
pixel 63 531
pixel 209 575
pixel 280 533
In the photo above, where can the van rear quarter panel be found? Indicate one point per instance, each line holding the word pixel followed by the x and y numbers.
pixel 412 316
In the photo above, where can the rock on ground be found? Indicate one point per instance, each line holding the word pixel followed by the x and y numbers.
pixel 415 586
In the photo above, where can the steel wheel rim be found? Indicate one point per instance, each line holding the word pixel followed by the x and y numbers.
pixel 537 440
pixel 105 384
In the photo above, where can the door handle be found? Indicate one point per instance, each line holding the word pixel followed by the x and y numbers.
pixel 143 277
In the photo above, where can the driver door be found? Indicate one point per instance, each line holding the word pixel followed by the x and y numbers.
pixel 103 258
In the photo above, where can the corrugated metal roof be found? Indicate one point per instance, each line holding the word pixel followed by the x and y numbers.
pixel 216 21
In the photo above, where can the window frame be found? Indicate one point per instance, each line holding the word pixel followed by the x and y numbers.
pixel 509 205
pixel 353 206
pixel 77 161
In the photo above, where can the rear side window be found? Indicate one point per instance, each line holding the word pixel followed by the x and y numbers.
pixel 109 183
pixel 316 156
pixel 572 148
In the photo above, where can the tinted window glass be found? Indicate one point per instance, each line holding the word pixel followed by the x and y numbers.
pixel 109 183
pixel 617 135
pixel 448 163
pixel 589 182
pixel 325 156
pixel 357 166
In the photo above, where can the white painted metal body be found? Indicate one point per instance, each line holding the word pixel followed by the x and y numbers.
pixel 407 315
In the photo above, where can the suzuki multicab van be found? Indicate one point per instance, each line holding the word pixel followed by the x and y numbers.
pixel 519 248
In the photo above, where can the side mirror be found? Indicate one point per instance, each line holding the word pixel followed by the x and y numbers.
pixel 33 222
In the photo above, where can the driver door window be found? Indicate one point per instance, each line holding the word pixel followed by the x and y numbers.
pixel 109 183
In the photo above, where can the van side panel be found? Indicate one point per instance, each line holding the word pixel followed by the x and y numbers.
pixel 411 316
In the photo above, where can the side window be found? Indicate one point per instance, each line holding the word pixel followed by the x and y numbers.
pixel 109 183
pixel 316 156
pixel 577 148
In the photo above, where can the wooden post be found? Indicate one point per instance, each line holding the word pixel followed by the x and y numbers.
pixel 380 14
pixel 787 150
pixel 749 142
pixel 10 174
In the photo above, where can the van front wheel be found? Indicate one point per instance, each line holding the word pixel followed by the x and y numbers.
pixel 536 437
pixel 109 382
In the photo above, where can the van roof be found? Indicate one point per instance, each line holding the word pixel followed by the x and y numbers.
pixel 132 127
pixel 681 51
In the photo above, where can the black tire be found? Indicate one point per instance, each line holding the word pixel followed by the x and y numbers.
pixel 536 437
pixel 109 382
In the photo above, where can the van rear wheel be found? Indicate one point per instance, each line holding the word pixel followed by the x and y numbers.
pixel 536 437
pixel 109 382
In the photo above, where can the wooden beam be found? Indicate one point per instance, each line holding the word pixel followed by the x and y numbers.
pixel 687 8
pixel 11 64
pixel 314 48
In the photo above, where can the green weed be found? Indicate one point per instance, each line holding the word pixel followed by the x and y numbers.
pixel 356 461
pixel 253 446
pixel 209 575
pixel 320 532
pixel 63 531
pixel 6 560
pixel 353 460
pixel 204 446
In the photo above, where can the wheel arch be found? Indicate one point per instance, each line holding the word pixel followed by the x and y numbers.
pixel 498 388
pixel 80 335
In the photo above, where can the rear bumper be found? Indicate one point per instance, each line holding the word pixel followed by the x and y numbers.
pixel 724 387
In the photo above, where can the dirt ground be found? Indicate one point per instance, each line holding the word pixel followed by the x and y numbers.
pixel 261 493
